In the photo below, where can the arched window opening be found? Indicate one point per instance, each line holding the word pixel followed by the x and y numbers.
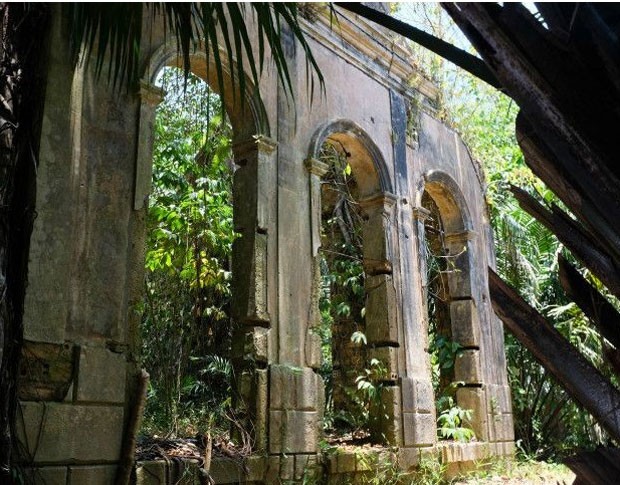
pixel 186 326
pixel 444 349
pixel 342 294
pixel 352 282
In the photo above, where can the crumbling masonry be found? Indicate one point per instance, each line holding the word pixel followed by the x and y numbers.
pixel 86 266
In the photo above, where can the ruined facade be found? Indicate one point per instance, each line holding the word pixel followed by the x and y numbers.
pixel 86 267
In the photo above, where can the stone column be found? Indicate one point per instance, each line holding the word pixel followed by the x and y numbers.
pixel 382 332
pixel 381 305
pixel 253 215
pixel 316 170
pixel 296 394
pixel 420 215
pixel 459 246
pixel 150 97
pixel 466 332
pixel 418 400
pixel 253 268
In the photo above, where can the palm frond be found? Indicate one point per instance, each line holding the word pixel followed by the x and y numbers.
pixel 114 28
pixel 110 34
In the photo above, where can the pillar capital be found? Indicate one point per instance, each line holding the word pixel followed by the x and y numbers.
pixel 316 167
pixel 258 143
pixel 420 213
pixel 150 94
pixel 382 200
pixel 460 237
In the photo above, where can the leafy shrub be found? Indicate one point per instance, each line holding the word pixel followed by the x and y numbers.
pixel 186 331
pixel 451 423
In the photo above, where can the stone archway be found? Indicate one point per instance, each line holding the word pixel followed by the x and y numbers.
pixel 447 215
pixel 376 208
pixel 253 220
pixel 87 254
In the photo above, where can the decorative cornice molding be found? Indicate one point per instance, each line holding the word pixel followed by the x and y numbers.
pixel 371 50
pixel 260 143
pixel 265 144
pixel 151 94
pixel 460 237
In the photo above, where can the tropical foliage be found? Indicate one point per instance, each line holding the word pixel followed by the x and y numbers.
pixel 186 330
pixel 548 424
pixel 195 25
pixel 443 350
pixel 349 385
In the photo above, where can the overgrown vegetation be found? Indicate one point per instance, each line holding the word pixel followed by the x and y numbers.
pixel 350 380
pixel 548 424
pixel 186 329
pixel 186 326
pixel 451 418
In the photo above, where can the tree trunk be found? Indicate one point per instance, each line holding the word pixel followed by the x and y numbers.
pixel 23 35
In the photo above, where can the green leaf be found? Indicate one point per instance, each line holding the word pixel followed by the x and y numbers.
pixel 359 338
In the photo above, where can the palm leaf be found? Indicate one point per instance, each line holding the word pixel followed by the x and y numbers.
pixel 110 34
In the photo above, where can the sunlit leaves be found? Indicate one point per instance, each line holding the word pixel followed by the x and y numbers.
pixel 359 338
pixel 190 207
pixel 452 423
pixel 186 327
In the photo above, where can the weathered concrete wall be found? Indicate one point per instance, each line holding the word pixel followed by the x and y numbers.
pixel 88 251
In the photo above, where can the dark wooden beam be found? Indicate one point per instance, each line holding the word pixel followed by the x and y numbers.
pixel 585 205
pixel 594 305
pixel 612 356
pixel 573 148
pixel 463 59
pixel 557 16
pixel 578 241
pixel 581 97
pixel 580 378
pixel 594 41
pixel 600 467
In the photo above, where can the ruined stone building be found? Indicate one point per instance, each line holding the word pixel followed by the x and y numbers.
pixel 87 259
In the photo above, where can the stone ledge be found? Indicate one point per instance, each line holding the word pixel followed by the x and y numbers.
pixel 345 461
pixel 341 462
pixel 185 472
pixel 452 452
pixel 462 457
pixel 227 471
